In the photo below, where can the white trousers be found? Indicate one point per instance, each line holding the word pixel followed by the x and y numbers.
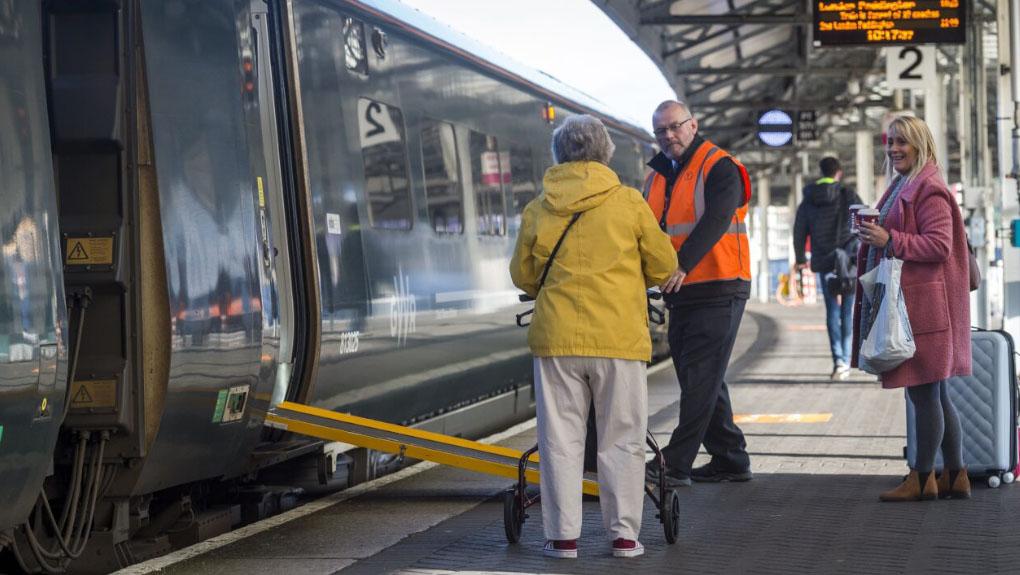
pixel 565 386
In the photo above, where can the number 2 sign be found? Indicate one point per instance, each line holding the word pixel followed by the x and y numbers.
pixel 910 67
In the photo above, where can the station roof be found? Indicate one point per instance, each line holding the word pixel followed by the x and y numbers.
pixel 732 59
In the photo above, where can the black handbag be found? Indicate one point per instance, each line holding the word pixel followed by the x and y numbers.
pixel 975 270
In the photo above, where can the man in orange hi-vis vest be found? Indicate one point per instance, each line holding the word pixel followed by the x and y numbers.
pixel 699 194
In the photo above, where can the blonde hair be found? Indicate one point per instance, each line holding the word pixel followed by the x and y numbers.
pixel 917 134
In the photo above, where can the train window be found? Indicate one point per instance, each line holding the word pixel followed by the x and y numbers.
pixel 443 191
pixel 627 161
pixel 522 181
pixel 355 56
pixel 487 165
pixel 382 149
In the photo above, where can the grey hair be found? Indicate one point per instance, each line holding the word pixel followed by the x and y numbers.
pixel 582 138
pixel 669 104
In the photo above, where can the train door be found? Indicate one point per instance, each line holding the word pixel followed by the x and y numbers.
pixel 277 273
pixel 33 326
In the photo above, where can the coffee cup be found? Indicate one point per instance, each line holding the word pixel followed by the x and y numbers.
pixel 853 216
pixel 869 215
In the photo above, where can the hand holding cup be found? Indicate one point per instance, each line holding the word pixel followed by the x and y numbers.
pixel 873 234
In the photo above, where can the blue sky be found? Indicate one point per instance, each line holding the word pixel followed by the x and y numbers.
pixel 572 40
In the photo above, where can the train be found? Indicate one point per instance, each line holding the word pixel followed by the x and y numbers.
pixel 211 206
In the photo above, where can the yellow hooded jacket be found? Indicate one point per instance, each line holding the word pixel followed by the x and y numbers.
pixel 593 302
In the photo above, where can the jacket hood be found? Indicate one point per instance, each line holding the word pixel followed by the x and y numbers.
pixel 823 194
pixel 577 187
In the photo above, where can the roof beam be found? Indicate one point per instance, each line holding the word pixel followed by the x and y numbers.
pixel 776 56
pixel 772 71
pixel 793 106
pixel 690 40
pixel 770 55
pixel 722 32
pixel 728 19
pixel 700 90
pixel 730 129
pixel 656 8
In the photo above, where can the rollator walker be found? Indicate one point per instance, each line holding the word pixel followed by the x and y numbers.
pixel 516 499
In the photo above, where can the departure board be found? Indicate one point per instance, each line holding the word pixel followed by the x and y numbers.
pixel 880 22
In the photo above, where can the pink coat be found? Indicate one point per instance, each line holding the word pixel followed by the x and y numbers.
pixel 928 235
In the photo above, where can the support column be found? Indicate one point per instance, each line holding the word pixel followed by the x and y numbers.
pixel 934 116
pixel 1008 177
pixel 764 199
pixel 795 198
pixel 975 172
pixel 865 152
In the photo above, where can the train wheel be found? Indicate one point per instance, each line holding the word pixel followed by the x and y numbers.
pixel 513 515
pixel 670 515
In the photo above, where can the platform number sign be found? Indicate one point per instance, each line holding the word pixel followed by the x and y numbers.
pixel 911 67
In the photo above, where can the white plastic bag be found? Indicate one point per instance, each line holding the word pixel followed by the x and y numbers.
pixel 886 338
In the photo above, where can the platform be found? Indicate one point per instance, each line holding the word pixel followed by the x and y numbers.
pixel 812 507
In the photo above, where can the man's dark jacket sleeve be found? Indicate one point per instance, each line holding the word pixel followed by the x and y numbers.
pixel 724 193
pixel 800 233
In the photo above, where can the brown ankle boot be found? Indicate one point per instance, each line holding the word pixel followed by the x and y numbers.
pixel 954 484
pixel 913 488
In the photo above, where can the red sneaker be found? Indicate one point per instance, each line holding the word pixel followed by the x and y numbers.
pixel 560 548
pixel 627 548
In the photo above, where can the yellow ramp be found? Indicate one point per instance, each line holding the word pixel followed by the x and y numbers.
pixel 412 443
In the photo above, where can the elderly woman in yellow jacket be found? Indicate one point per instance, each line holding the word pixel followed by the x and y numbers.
pixel 590 333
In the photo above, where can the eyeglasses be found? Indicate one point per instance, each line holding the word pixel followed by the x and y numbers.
pixel 674 127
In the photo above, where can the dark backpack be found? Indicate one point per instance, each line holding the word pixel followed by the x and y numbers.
pixel 843 280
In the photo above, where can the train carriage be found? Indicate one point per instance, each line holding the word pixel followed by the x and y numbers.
pixel 245 202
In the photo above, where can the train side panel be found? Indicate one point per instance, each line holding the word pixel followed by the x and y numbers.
pixel 33 363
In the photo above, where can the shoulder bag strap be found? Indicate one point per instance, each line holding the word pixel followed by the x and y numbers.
pixel 556 248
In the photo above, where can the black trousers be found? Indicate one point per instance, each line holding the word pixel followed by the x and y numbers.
pixel 701 339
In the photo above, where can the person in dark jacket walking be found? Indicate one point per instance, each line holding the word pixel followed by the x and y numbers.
pixel 699 194
pixel 824 217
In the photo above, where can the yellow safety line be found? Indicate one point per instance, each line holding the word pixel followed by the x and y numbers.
pixel 410 450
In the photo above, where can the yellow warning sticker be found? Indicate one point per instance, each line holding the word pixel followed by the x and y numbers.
pixel 262 193
pixel 96 393
pixel 782 417
pixel 89 251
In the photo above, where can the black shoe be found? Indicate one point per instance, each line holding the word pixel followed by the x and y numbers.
pixel 712 473
pixel 673 478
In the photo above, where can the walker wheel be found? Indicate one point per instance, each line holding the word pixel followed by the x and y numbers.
pixel 994 481
pixel 513 515
pixel 1008 477
pixel 670 516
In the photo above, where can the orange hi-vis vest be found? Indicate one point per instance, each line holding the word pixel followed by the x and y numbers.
pixel 730 257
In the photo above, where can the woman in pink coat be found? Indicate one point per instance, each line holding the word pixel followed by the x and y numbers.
pixel 921 224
